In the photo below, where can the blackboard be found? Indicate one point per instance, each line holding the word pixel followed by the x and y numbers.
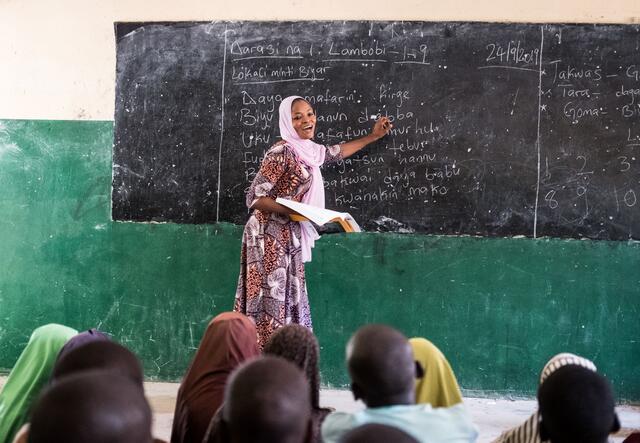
pixel 500 129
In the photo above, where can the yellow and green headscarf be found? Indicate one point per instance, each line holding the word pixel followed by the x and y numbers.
pixel 439 386
pixel 28 376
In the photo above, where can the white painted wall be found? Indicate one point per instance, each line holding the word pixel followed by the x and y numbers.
pixel 58 57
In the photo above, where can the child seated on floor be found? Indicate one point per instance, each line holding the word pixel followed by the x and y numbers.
pixel 297 344
pixel 265 400
pixel 91 406
pixel 100 355
pixel 382 369
pixel 576 406
pixel 229 340
pixel 528 431
pixel 436 383
pixel 28 376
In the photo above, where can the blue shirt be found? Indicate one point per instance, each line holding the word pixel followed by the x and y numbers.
pixel 422 422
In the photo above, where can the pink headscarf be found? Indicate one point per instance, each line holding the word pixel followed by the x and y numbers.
pixel 312 155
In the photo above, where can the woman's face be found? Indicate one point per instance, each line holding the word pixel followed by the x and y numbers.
pixel 303 119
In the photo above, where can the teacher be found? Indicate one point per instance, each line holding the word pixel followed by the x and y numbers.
pixel 272 288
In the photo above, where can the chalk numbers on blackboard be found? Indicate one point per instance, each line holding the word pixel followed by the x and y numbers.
pixel 550 199
pixel 513 52
pixel 624 164
pixel 581 179
pixel 629 198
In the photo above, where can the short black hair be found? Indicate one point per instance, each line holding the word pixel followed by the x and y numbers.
pixel 381 365
pixel 95 406
pixel 576 405
pixel 99 355
pixel 267 397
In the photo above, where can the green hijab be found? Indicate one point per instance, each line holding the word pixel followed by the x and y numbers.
pixel 28 376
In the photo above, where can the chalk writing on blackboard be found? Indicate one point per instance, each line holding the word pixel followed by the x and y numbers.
pixel 499 129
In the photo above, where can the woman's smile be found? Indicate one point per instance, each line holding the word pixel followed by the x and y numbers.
pixel 303 119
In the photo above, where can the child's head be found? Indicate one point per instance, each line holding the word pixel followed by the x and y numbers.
pixel 381 366
pixel 268 397
pixel 576 405
pixel 95 406
pixel 99 355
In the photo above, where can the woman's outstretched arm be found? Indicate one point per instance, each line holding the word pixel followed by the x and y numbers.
pixel 380 129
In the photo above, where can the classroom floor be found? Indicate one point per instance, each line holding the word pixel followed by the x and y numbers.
pixel 491 416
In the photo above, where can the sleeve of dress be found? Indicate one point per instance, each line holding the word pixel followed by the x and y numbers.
pixel 273 166
pixel 333 154
pixel 527 432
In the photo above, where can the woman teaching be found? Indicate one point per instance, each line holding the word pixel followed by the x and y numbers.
pixel 271 287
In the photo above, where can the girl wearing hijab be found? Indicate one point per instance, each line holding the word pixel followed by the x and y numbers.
pixel 272 286
pixel 91 406
pixel 88 336
pixel 527 432
pixel 438 385
pixel 79 340
pixel 29 375
pixel 297 344
pixel 229 340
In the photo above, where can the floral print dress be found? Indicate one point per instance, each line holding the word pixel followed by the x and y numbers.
pixel 272 288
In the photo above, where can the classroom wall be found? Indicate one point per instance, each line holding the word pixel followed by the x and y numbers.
pixel 59 57
pixel 498 308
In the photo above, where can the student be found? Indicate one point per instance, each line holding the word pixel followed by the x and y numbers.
pixel 101 355
pixel 576 406
pixel 382 370
pixel 91 406
pixel 298 345
pixel 230 339
pixel 29 375
pixel 527 432
pixel 437 385
pixel 377 433
pixel 82 338
pixel 266 397
pixel 96 354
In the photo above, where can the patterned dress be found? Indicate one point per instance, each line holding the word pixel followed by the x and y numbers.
pixel 272 287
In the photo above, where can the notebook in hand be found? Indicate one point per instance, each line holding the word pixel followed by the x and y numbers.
pixel 320 216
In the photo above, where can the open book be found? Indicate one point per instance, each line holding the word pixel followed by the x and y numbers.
pixel 321 216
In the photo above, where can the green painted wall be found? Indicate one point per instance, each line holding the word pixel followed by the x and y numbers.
pixel 498 308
